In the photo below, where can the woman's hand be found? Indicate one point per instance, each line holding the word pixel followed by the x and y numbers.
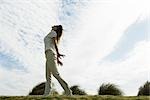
pixel 59 62
pixel 60 55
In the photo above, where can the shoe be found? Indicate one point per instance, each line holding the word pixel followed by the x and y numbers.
pixel 69 93
pixel 45 94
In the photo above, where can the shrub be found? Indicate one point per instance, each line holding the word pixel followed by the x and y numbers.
pixel 39 89
pixel 145 89
pixel 109 89
pixel 77 91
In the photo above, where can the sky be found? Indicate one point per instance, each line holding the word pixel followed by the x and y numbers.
pixel 105 41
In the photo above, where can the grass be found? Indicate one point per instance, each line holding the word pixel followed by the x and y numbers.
pixel 61 97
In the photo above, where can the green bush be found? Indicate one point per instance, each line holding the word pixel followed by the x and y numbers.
pixel 109 89
pixel 39 89
pixel 77 91
pixel 145 89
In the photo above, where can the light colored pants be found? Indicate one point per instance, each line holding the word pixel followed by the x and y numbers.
pixel 51 68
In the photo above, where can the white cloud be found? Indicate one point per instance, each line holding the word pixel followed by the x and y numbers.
pixel 98 30
pixel 23 26
pixel 129 74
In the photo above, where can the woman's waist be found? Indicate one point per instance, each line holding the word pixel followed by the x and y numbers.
pixel 51 50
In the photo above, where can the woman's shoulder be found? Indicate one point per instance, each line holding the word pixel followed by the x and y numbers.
pixel 53 33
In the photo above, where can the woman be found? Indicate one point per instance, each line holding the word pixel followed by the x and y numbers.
pixel 53 58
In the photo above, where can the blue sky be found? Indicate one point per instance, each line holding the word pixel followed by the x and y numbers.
pixel 9 62
pixel 136 32
pixel 100 37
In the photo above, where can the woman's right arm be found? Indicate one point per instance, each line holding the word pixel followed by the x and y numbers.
pixel 58 54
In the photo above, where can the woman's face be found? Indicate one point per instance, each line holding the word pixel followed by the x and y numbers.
pixel 54 28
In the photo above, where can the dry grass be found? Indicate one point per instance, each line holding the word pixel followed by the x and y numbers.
pixel 61 97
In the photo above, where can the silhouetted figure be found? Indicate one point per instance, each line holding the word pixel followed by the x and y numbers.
pixel 53 58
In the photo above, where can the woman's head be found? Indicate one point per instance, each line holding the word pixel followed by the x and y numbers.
pixel 54 27
pixel 58 29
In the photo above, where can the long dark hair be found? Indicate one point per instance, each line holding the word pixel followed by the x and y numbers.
pixel 59 32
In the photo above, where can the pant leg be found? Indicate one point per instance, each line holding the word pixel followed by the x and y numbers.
pixel 63 84
pixel 52 62
pixel 48 80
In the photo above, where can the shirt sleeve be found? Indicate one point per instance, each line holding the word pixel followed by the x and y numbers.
pixel 52 34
